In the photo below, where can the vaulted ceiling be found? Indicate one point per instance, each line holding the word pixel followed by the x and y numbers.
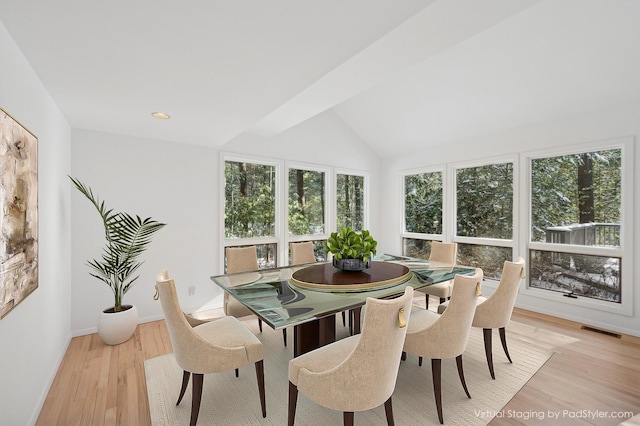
pixel 401 74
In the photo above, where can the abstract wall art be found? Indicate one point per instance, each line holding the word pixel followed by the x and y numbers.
pixel 18 213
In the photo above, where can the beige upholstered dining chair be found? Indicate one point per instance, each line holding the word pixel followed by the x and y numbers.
pixel 440 336
pixel 302 253
pixel 445 253
pixel 239 259
pixel 242 259
pixel 495 311
pixel 359 372
pixel 193 321
pixel 216 346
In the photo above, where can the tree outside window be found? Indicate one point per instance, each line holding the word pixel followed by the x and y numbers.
pixel 484 200
pixel 350 201
pixel 423 207
pixel 306 202
pixel 573 190
pixel 423 203
pixel 249 209
pixel 576 201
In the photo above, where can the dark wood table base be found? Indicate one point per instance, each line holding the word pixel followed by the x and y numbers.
pixel 314 334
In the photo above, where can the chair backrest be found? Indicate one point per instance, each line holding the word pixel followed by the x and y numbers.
pixel 367 377
pixel 495 312
pixel 302 253
pixel 163 276
pixel 190 349
pixel 241 259
pixel 447 337
pixel 180 331
pixel 444 252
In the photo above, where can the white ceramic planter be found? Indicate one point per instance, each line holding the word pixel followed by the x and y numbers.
pixel 115 328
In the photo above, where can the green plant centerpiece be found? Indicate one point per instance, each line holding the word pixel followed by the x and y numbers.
pixel 127 237
pixel 352 251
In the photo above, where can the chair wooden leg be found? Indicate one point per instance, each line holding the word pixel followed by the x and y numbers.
pixel 487 332
pixel 351 322
pixel 344 319
pixel 443 299
pixel 293 400
pixel 461 374
pixel 237 372
pixel 260 376
pixel 347 418
pixel 196 395
pixel 355 320
pixel 436 374
pixel 185 382
pixel 403 357
pixel 426 301
pixel 503 339
pixel 284 336
pixel 260 324
pixel 419 361
pixel 388 409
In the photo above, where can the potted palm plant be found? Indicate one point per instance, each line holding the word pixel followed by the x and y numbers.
pixel 351 251
pixel 127 237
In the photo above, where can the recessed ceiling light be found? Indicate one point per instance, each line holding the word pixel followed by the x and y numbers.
pixel 161 115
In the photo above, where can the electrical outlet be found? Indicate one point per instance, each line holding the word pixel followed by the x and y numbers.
pixel 192 290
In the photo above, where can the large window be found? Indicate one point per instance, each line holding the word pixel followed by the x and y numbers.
pixel 250 208
pixel 271 203
pixel 484 197
pixel 567 211
pixel 423 201
pixel 576 211
pixel 575 199
pixel 484 216
pixel 250 194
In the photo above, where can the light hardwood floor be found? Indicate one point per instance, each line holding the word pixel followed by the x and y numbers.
pixel 589 375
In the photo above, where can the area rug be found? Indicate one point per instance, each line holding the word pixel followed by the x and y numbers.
pixel 227 400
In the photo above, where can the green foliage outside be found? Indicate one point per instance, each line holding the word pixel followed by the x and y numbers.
pixel 485 201
pixel 567 191
pixel 250 204
pixel 250 196
pixel 423 203
pixel 578 188
pixel 350 201
pixel 306 202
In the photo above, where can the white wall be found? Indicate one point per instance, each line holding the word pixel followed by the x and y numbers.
pixel 35 334
pixel 173 183
pixel 600 126
pixel 178 184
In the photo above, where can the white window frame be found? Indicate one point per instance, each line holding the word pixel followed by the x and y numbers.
pixel 625 251
pixel 451 232
pixel 365 189
pixel 232 242
pixel 446 218
pixel 282 237
pixel 329 199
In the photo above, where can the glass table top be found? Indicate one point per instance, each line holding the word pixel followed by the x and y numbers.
pixel 275 298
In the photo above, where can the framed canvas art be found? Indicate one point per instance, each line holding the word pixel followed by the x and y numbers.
pixel 19 213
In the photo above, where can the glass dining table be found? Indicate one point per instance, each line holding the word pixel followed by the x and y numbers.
pixel 308 296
